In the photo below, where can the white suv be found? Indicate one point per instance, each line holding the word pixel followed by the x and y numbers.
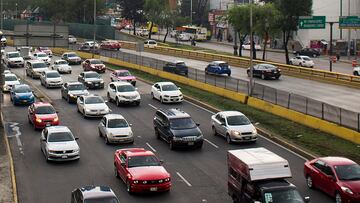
pixel 123 92
pixel 43 57
pixel 13 59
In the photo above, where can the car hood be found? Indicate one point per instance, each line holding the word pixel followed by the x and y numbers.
pixel 93 79
pixel 74 58
pixel 172 93
pixel 100 106
pixel 352 185
pixel 59 146
pixel 148 173
pixel 16 59
pixel 119 131
pixel 43 58
pixel 15 82
pixel 40 69
pixel 128 94
pixel 242 128
pixel 186 132
pixel 54 79
pixel 130 77
pixel 46 116
pixel 79 92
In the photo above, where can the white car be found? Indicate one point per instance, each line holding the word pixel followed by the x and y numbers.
pixel 61 66
pixel 302 61
pixel 13 59
pixel 166 92
pixel 246 46
pixel 123 93
pixel 92 106
pixel 90 44
pixel 43 57
pixel 7 72
pixel 356 70
pixel 10 80
pixel 234 126
pixel 150 44
pixel 184 37
pixel 72 39
pixel 51 78
pixel 142 32
pixel 115 129
pixel 3 41
pixel 59 144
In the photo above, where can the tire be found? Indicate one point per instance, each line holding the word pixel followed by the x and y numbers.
pixel 338 198
pixel 152 96
pixel 314 55
pixel 68 99
pixel 248 73
pixel 214 131
pixel 356 73
pixel 263 76
pixel 112 80
pixel 117 102
pixel 300 64
pixel 106 140
pixel 128 187
pixel 277 77
pixel 229 74
pixel 161 100
pixel 108 97
pixel 309 182
pixel 100 134
pixel 171 145
pixel 157 134
pixel 290 62
pixel 137 103
pixel 116 172
pixel 228 139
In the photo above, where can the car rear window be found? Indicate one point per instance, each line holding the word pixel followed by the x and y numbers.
pixel 224 65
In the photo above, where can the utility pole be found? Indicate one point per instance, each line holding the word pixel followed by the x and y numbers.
pixel 331 45
pixel 191 12
pixel 93 53
pixel 2 15
pixel 349 33
pixel 341 13
pixel 251 51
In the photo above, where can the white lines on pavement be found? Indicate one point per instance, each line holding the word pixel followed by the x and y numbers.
pixel 150 147
pixel 200 107
pixel 187 182
pixel 154 107
pixel 214 145
pixel 17 134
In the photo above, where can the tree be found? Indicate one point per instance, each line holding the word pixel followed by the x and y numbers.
pixel 199 8
pixel 132 10
pixel 153 9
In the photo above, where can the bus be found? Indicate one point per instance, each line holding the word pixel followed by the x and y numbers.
pixel 155 28
pixel 197 33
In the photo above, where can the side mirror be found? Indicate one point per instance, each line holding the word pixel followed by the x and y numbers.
pixel 179 88
pixel 161 161
pixel 43 139
pixel 197 124
pixel 76 138
pixel 123 164
pixel 307 199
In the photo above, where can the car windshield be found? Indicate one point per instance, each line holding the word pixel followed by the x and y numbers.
pixel 182 123
pixel 169 87
pixel 92 75
pixel 45 110
pixel 53 75
pixel 10 78
pixel 117 123
pixel 95 62
pixel 224 65
pixel 44 48
pixel 306 59
pixel 94 100
pixel 39 65
pixel 14 55
pixel 152 42
pixel 180 64
pixel 125 73
pixel 41 55
pixel 238 120
pixel 283 196
pixel 62 62
pixel 138 161
pixel 60 137
pixel 268 66
pixel 76 87
pixel 348 172
pixel 72 55
pixel 102 200
pixel 125 88
pixel 22 89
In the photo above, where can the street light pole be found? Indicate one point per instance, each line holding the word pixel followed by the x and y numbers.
pixel 191 12
pixel 331 44
pixel 251 51
pixel 349 33
pixel 94 29
pixel 341 13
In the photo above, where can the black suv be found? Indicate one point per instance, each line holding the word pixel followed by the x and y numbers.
pixel 93 194
pixel 177 128
pixel 177 67
pixel 310 52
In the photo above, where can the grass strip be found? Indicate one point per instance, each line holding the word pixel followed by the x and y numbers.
pixel 312 140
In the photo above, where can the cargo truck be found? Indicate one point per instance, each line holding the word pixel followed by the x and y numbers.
pixel 258 175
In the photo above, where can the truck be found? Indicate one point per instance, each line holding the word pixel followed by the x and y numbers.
pixel 257 175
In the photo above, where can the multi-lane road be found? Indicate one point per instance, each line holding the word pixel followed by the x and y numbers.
pixel 197 175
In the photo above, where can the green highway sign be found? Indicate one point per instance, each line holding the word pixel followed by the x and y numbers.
pixel 349 22
pixel 312 22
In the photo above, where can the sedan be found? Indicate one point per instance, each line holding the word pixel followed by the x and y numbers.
pixel 10 80
pixel 61 66
pixel 177 67
pixel 337 176
pixel 218 68
pixel 42 114
pixel 72 39
pixel 115 129
pixel 141 170
pixel 234 126
pixel 94 65
pixel 71 58
pixel 51 78
pixel 123 75
pixel 356 71
pixel 92 106
pixel 308 52
pixel 58 144
pixel 110 45
pixel 91 79
pixel 166 92
pixel 21 94
pixel 302 61
pixel 72 90
pixel 150 44
pixel 265 71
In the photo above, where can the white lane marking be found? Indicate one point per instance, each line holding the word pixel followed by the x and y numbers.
pixel 200 107
pixel 16 129
pixel 208 141
pixel 139 136
pixel 150 147
pixel 154 107
pixel 187 182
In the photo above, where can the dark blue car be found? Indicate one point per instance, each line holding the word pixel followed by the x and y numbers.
pixel 21 94
pixel 218 68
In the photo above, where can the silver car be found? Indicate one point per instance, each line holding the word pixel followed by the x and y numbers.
pixel 115 129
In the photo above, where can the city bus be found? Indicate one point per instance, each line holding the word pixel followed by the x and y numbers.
pixel 197 33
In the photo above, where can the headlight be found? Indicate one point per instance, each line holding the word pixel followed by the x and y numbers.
pixel 236 133
pixel 167 179
pixel 17 96
pixel 180 95
pixel 135 181
pixel 77 150
pixel 51 151
pixel 347 190
pixel 88 82
pixel 38 120
pixel 71 95
pixel 144 182
pixel 254 131
pixel 160 181
pixel 56 119
pixel 101 82
pixel 88 110
pixel 31 96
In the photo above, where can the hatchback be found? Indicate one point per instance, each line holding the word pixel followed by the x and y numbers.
pixel 22 94
pixel 218 68
pixel 42 114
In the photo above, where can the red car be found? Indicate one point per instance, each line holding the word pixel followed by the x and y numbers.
pixel 141 170
pixel 42 114
pixel 337 176
pixel 110 45
pixel 94 65
pixel 46 50
pixel 123 75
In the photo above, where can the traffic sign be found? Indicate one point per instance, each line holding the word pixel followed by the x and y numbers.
pixel 312 22
pixel 349 22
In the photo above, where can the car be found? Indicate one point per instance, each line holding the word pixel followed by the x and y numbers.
pixel 115 129
pixel 43 57
pixel 70 91
pixel 93 194
pixel 51 78
pixel 356 71
pixel 94 65
pixel 184 37
pixel 3 41
pixel 129 27
pixel 310 52
pixel 142 32
pixel 34 68
pixel 7 72
pixel 91 80
pixel 177 128
pixel 92 106
pixel 90 44
pixel 61 66
pixel 265 71
pixel 72 39
pixel 141 171
pixel 338 177
pixel 42 114
pixel 218 68
pixel 166 92
pixel 123 93
pixel 110 45
pixel 150 44
pixel 13 59
pixel 45 50
pixel 234 126
pixel 122 75
pixel 71 58
pixel 246 46
pixel 177 67
pixel 302 61
pixel 21 94
pixel 59 144
pixel 9 81
pixel 173 33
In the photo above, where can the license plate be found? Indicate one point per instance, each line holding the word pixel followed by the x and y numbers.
pixel 48 124
pixel 64 157
pixel 24 101
pixel 190 143
pixel 246 138
pixel 153 189
pixel 96 84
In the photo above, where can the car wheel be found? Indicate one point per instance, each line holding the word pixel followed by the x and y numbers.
pixel 100 134
pixel 106 140
pixel 214 130
pixel 157 134
pixel 300 64
pixel 161 100
pixel 171 145
pixel 290 62
pixel 69 72
pixel 46 156
pixel 112 80
pixel 229 74
pixel 108 97
pixel 68 99
pixel 152 96
pixel 356 73
pixel 128 187
pixel 137 103
pixel 263 76
pixel 228 139
pixel 277 77
pixel 248 73
pixel 29 120
pixel 338 198
pixel 117 102
pixel 309 182
pixel 314 55
pixel 116 172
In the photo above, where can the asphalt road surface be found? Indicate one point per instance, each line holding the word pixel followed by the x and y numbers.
pixel 205 170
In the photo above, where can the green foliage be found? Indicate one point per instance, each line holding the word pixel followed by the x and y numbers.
pixel 154 10
pixel 239 17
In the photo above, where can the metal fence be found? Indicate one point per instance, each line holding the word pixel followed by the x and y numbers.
pixel 346 118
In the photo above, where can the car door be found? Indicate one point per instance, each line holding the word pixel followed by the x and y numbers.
pixel 64 90
pixel 112 91
pixel 317 174
pixel 216 122
pixel 222 126
pixel 102 126
pixel 298 60
pixel 44 139
pixel 81 77
pixel 156 91
pixel 122 166
pixel 31 113
pixel 329 180
pixel 86 65
pixel 80 104
pixel 256 70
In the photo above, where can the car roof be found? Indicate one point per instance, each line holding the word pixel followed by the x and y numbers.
pixel 91 191
pixel 218 62
pixel 12 52
pixel 92 95
pixel 304 56
pixel 35 61
pixel 137 152
pixel 231 113
pixel 93 59
pixel 74 83
pixel 87 72
pixel 40 52
pixel 333 160
pixel 266 64
pixel 175 113
pixel 119 71
pixel 58 128
pixel 120 83
pixel 20 85
pixel 59 60
pixel 69 52
pixel 165 83
pixel 51 71
pixel 10 74
pixel 37 104
pixel 114 116
pixel 178 61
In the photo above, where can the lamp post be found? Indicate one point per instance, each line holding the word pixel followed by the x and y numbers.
pixel 94 37
pixel 191 11
pixel 251 51
pixel 341 8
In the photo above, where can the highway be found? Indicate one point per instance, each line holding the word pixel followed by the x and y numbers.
pixel 203 173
